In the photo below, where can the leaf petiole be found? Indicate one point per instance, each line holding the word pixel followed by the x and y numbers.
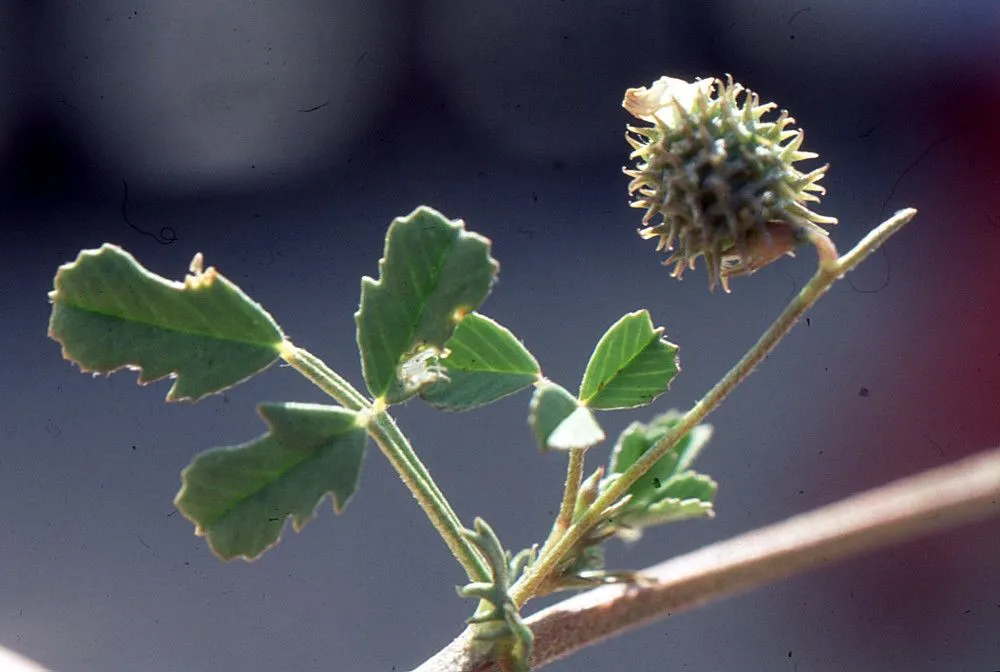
pixel 384 431
pixel 574 476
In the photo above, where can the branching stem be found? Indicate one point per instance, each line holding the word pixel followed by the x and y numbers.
pixel 830 269
pixel 939 499
pixel 394 445
pixel 322 376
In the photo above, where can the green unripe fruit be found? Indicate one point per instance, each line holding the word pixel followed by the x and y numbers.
pixel 723 180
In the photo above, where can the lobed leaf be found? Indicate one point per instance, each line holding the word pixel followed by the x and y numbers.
pixel 688 485
pixel 109 313
pixel 684 496
pixel 631 365
pixel 433 273
pixel 239 497
pixel 483 362
pixel 668 491
pixel 665 511
pixel 559 421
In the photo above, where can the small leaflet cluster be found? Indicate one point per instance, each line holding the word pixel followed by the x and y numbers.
pixel 669 492
pixel 497 620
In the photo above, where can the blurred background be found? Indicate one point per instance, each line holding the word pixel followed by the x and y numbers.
pixel 281 138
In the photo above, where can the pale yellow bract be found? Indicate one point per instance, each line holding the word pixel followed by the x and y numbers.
pixel 659 102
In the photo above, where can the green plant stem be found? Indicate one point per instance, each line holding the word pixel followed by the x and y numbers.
pixel 394 445
pixel 574 476
pixel 830 269
pixel 323 377
pixel 404 460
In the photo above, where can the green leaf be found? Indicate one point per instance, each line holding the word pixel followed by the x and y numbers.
pixel 685 496
pixel 668 492
pixel 578 430
pixel 239 497
pixel 109 312
pixel 639 438
pixel 690 485
pixel 484 362
pixel 433 274
pixel 631 365
pixel 558 421
pixel 665 511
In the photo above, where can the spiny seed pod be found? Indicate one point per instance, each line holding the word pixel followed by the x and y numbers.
pixel 722 179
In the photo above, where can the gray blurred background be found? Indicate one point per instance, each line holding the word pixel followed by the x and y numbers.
pixel 281 138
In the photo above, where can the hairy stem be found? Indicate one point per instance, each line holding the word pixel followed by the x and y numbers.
pixel 829 271
pixel 322 376
pixel 397 449
pixel 574 476
pixel 394 445
pixel 935 500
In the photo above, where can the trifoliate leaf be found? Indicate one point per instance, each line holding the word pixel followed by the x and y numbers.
pixel 483 362
pixel 639 438
pixel 631 365
pixel 558 421
pixel 239 497
pixel 109 313
pixel 432 275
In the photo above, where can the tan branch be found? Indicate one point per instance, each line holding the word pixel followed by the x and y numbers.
pixel 942 498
